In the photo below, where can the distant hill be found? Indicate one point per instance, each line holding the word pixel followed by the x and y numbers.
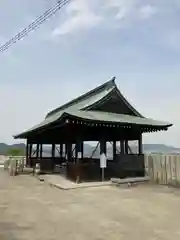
pixel 160 148
pixel 148 148
pixel 4 148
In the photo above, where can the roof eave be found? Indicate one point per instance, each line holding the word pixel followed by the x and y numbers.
pixel 26 133
pixel 163 125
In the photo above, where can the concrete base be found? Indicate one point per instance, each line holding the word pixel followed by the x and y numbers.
pixel 65 184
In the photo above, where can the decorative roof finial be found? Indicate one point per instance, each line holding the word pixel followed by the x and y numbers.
pixel 113 79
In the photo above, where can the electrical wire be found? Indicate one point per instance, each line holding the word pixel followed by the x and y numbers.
pixel 36 23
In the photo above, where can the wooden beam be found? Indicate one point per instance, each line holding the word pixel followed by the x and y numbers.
pixel 87 133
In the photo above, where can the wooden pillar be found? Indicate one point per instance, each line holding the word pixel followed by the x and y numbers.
pixel 66 150
pixel 103 146
pixel 140 146
pixel 126 146
pixel 30 155
pixel 41 151
pixel 61 150
pixel 35 159
pixel 27 153
pixel 122 146
pixel 77 149
pixel 41 155
pixel 82 150
pixel 53 155
pixel 69 151
pixel 77 157
pixel 114 150
pixel 53 151
pixel 102 150
pixel 37 151
pixel 30 150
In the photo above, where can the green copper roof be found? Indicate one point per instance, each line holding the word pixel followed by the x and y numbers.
pixel 100 117
pixel 81 107
pixel 86 99
pixel 92 97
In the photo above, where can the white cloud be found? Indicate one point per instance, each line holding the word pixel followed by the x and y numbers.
pixel 124 7
pixel 81 21
pixel 147 11
pixel 85 14
pixel 131 10
pixel 80 15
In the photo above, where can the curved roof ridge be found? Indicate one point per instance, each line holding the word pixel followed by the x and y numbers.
pixel 110 83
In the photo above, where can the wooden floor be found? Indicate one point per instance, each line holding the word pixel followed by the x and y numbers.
pixel 31 210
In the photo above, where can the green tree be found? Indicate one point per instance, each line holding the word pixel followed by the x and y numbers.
pixel 15 152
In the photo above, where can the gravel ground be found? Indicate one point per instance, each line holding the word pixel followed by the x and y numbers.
pixel 30 209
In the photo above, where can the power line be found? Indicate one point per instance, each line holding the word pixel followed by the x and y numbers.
pixel 46 15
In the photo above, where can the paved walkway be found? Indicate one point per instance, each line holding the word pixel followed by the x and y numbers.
pixel 32 210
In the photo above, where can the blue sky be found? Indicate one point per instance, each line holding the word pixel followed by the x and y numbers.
pixel 84 45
